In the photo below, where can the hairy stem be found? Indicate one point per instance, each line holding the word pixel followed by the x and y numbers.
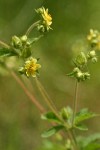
pixel 32 27
pixel 31 97
pixel 4 45
pixel 46 98
pixel 46 94
pixel 75 102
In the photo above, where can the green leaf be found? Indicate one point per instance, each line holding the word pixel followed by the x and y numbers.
pixel 81 127
pixel 4 52
pixel 91 142
pixel 52 131
pixel 84 114
pixel 50 116
pixel 92 138
pixel 33 40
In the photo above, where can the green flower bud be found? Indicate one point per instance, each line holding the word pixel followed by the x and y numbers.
pixel 79 75
pixel 24 39
pixel 76 70
pixel 94 59
pixel 16 42
pixel 21 70
pixel 28 44
pixel 91 54
pixel 81 59
pixel 64 114
pixel 86 76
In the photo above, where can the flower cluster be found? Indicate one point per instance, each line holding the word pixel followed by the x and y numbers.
pixel 80 71
pixel 46 20
pixel 21 46
pixel 94 39
pixel 30 67
pixel 79 75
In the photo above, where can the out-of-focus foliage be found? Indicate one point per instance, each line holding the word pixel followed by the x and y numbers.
pixel 20 124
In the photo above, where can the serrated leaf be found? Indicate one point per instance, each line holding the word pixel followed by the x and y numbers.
pixel 4 52
pixel 50 116
pixel 52 131
pixel 81 127
pixel 84 114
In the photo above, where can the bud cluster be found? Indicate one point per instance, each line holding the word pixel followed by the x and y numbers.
pixel 21 45
pixel 82 59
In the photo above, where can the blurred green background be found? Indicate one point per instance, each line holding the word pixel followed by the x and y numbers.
pixel 20 123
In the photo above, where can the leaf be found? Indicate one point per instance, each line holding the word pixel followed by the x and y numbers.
pixel 33 40
pixel 6 52
pixel 91 142
pixel 81 127
pixel 50 116
pixel 52 131
pixel 84 114
pixel 91 138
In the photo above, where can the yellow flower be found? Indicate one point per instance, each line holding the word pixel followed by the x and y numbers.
pixel 31 67
pixel 92 34
pixel 46 19
pixel 94 39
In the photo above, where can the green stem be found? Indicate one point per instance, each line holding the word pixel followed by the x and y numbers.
pixel 4 45
pixel 53 108
pixel 32 27
pixel 46 94
pixel 46 98
pixel 75 102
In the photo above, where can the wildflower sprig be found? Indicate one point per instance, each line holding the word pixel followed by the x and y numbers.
pixel 67 119
pixel 80 71
pixel 21 46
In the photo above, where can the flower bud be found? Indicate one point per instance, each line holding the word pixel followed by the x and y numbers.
pixel 76 70
pixel 16 42
pixel 64 114
pixel 92 53
pixel 24 39
pixel 94 59
pixel 79 75
pixel 81 59
pixel 86 75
